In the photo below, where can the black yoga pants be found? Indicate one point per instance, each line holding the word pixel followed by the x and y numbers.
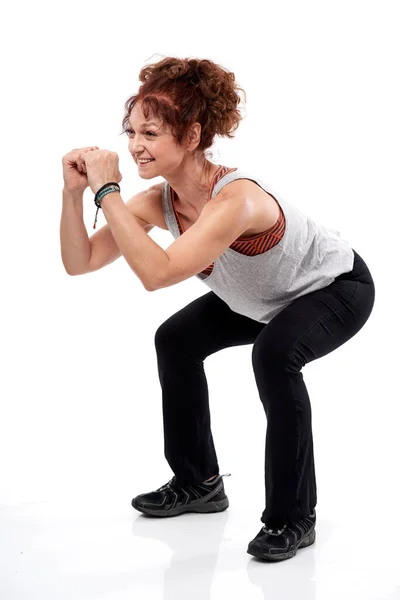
pixel 310 327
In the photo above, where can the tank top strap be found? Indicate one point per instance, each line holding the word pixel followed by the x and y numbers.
pixel 221 172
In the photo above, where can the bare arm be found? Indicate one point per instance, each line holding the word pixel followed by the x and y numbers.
pixel 81 254
pixel 74 240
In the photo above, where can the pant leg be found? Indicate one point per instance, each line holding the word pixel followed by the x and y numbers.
pixel 309 328
pixel 183 341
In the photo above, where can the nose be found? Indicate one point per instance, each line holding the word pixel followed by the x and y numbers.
pixel 135 145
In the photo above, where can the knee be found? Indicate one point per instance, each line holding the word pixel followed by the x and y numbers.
pixel 265 356
pixel 268 357
pixel 163 333
pixel 169 336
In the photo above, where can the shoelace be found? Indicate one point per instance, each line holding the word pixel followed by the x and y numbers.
pixel 277 531
pixel 274 532
pixel 170 485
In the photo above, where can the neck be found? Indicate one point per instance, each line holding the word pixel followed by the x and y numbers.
pixel 191 182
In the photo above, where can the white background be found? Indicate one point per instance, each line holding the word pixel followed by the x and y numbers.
pixel 81 412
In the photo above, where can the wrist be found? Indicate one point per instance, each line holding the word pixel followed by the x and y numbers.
pixel 73 194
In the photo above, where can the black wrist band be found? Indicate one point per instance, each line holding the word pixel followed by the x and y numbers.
pixel 104 186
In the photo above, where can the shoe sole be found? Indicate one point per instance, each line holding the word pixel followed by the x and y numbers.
pixel 307 541
pixel 208 507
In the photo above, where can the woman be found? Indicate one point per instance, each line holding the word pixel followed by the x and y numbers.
pixel 278 280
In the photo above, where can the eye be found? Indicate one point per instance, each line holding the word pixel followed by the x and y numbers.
pixel 130 132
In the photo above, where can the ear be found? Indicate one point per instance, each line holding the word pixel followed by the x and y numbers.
pixel 194 136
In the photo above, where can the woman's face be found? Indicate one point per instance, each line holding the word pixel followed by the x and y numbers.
pixel 152 140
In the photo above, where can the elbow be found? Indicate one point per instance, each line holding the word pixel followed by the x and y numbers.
pixel 148 285
pixel 72 274
pixel 151 285
pixel 150 288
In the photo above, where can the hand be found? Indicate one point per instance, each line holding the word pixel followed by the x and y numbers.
pixel 75 179
pixel 101 168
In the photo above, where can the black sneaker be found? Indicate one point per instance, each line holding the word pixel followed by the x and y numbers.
pixel 278 544
pixel 171 500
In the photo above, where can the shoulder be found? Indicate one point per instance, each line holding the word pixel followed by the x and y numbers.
pixel 238 191
pixel 158 186
pixel 249 190
pixel 240 188
pixel 248 196
pixel 235 201
pixel 236 187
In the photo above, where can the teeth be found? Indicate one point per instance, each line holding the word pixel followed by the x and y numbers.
pixel 145 161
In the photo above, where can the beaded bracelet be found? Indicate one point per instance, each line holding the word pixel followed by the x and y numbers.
pixel 107 188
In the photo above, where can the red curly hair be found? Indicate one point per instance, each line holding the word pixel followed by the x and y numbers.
pixel 183 91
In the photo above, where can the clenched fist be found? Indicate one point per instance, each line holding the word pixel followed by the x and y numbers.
pixel 74 169
pixel 101 167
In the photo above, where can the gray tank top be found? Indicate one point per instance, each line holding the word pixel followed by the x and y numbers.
pixel 307 258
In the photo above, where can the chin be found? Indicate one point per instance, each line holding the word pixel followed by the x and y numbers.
pixel 143 176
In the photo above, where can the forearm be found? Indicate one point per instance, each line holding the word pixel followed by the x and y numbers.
pixel 146 258
pixel 74 240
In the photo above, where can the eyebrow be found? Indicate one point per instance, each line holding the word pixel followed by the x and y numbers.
pixel 145 124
